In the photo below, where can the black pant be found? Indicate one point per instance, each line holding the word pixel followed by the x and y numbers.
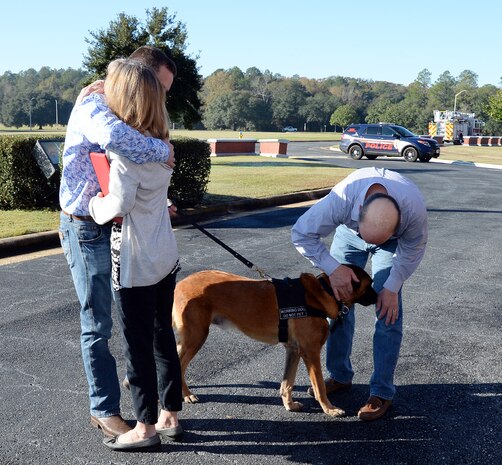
pixel 153 366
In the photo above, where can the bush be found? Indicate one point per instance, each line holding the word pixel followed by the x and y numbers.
pixel 22 183
pixel 191 174
pixel 24 186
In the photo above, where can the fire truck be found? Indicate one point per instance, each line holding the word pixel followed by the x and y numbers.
pixel 454 125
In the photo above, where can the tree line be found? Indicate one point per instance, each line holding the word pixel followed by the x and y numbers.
pixel 243 100
pixel 256 100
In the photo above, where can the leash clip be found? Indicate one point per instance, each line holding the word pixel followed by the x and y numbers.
pixel 262 273
pixel 343 311
pixel 339 319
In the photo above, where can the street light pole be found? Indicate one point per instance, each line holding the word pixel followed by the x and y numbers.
pixel 455 103
pixel 32 98
pixel 56 112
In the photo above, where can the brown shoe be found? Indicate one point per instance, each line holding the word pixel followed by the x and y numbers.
pixel 374 408
pixel 331 386
pixel 111 426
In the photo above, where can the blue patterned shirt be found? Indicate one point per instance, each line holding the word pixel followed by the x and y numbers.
pixel 94 128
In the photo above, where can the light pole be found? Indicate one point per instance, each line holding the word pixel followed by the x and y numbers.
pixel 56 112
pixel 455 103
pixel 32 98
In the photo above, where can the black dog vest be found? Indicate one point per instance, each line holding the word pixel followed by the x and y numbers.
pixel 291 299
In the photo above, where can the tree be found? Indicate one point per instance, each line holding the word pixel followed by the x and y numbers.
pixel 161 30
pixel 260 83
pixel 219 83
pixel 227 111
pixel 15 111
pixel 377 110
pixel 424 78
pixel 344 115
pixel 495 106
pixel 288 95
pixel 318 109
pixel 442 93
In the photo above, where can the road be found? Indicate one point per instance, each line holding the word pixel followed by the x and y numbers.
pixel 448 408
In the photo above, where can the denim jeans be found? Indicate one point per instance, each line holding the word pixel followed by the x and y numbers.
pixel 86 246
pixel 153 366
pixel 348 247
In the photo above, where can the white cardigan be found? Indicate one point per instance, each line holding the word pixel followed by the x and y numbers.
pixel 138 193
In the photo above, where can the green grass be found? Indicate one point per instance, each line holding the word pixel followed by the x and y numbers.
pixel 490 155
pixel 240 177
pixel 19 222
pixel 291 136
pixel 202 134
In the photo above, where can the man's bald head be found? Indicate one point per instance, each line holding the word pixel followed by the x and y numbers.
pixel 379 218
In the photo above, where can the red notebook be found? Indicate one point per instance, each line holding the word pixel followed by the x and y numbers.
pixel 101 166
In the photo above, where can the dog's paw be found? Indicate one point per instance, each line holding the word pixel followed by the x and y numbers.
pixel 335 412
pixel 294 407
pixel 191 399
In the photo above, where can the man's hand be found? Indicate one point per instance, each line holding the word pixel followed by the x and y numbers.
pixel 341 282
pixel 97 87
pixel 172 209
pixel 388 306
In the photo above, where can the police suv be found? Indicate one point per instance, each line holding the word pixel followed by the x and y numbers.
pixel 384 139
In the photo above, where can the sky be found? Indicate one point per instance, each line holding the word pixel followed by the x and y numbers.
pixel 379 40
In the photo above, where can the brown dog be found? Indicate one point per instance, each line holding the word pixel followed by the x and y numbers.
pixel 252 306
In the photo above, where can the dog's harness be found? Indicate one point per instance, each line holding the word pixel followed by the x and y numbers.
pixel 291 301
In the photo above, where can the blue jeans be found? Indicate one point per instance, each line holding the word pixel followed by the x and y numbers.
pixel 86 246
pixel 347 248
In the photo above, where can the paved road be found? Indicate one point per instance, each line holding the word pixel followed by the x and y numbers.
pixel 449 403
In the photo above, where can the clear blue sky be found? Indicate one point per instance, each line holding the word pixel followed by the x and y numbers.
pixel 387 40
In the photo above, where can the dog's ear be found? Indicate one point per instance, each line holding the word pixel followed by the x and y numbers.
pixel 364 293
pixel 316 296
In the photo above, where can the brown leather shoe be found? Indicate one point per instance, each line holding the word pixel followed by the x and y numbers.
pixel 331 386
pixel 111 426
pixel 374 408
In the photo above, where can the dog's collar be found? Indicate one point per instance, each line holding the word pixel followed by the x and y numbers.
pixel 343 309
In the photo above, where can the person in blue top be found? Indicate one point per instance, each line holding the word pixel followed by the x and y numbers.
pixel 92 127
pixel 374 213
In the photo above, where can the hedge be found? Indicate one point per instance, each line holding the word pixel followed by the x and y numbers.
pixel 24 186
pixel 22 183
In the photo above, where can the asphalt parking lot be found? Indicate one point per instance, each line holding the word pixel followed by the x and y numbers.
pixel 448 407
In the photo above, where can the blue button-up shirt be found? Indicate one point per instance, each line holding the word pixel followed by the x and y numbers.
pixel 94 128
pixel 342 206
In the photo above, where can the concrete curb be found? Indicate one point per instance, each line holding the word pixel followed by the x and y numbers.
pixel 46 240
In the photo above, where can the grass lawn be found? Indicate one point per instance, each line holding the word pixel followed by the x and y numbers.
pixel 60 131
pixel 18 222
pixel 490 155
pixel 291 136
pixel 240 177
pixel 231 178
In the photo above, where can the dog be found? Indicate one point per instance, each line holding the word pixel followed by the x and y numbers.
pixel 252 307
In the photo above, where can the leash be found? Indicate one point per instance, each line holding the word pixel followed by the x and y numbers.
pixel 237 255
